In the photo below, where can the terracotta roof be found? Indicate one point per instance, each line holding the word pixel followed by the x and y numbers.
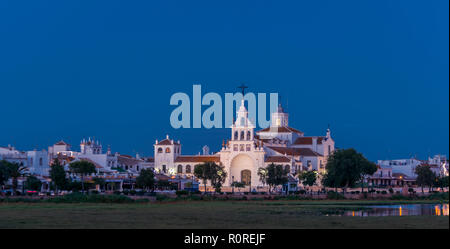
pixel 127 160
pixel 277 159
pixel 62 143
pixel 161 177
pixel 167 142
pixel 430 165
pixel 308 140
pixel 197 159
pixel 280 129
pixel 295 151
pixel 150 159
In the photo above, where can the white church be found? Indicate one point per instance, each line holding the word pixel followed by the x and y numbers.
pixel 246 151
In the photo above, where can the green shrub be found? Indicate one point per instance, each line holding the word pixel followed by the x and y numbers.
pixel 160 197
pixel 391 190
pixel 143 200
pixel 383 192
pixel 335 196
pixel 438 196
pixel 93 198
pixel 181 192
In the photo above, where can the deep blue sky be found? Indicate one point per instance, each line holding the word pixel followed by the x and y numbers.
pixel 376 71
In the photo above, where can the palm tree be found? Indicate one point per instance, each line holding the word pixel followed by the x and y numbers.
pixel 15 171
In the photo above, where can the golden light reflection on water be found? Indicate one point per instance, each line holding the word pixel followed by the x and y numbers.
pixel 403 210
pixel 441 210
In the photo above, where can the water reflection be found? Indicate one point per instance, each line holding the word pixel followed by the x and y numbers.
pixel 403 210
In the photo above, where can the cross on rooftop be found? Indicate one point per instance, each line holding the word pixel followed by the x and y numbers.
pixel 243 87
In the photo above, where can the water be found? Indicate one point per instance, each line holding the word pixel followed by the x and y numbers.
pixel 403 210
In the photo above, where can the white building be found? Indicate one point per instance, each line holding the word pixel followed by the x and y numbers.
pixel 245 152
pixel 402 166
pixel 35 161
pixel 105 163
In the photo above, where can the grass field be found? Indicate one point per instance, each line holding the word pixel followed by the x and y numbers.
pixel 206 214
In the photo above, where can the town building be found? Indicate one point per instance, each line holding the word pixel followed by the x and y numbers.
pixel 246 150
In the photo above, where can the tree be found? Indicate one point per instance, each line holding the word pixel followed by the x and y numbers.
pixel 273 175
pixel 218 176
pixel 345 167
pixel 16 170
pixel 238 185
pixel 33 183
pixel 99 181
pixel 203 172
pixel 308 178
pixel 4 172
pixel 58 176
pixel 82 168
pixel 425 176
pixel 146 179
pixel 213 172
pixel 262 173
pixel 367 168
pixel 443 182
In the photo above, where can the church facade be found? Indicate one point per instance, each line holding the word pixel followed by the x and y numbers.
pixel 248 150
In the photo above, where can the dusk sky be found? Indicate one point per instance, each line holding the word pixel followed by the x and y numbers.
pixel 376 71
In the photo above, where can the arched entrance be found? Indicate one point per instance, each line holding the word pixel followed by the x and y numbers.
pixel 246 176
pixel 241 169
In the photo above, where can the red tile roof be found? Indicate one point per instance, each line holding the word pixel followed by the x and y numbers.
pixel 308 140
pixel 62 143
pixel 197 159
pixel 295 151
pixel 277 159
pixel 167 142
pixel 281 129
pixel 127 160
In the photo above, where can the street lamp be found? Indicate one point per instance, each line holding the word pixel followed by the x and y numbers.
pixel 232 184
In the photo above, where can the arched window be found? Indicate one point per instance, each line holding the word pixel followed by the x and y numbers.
pixel 188 169
pixel 164 169
pixel 137 168
pixel 249 135
pixel 236 135
pixel 242 135
pixel 160 150
pixel 167 150
pixel 180 169
pixel 40 161
pixel 247 147
pixel 235 147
